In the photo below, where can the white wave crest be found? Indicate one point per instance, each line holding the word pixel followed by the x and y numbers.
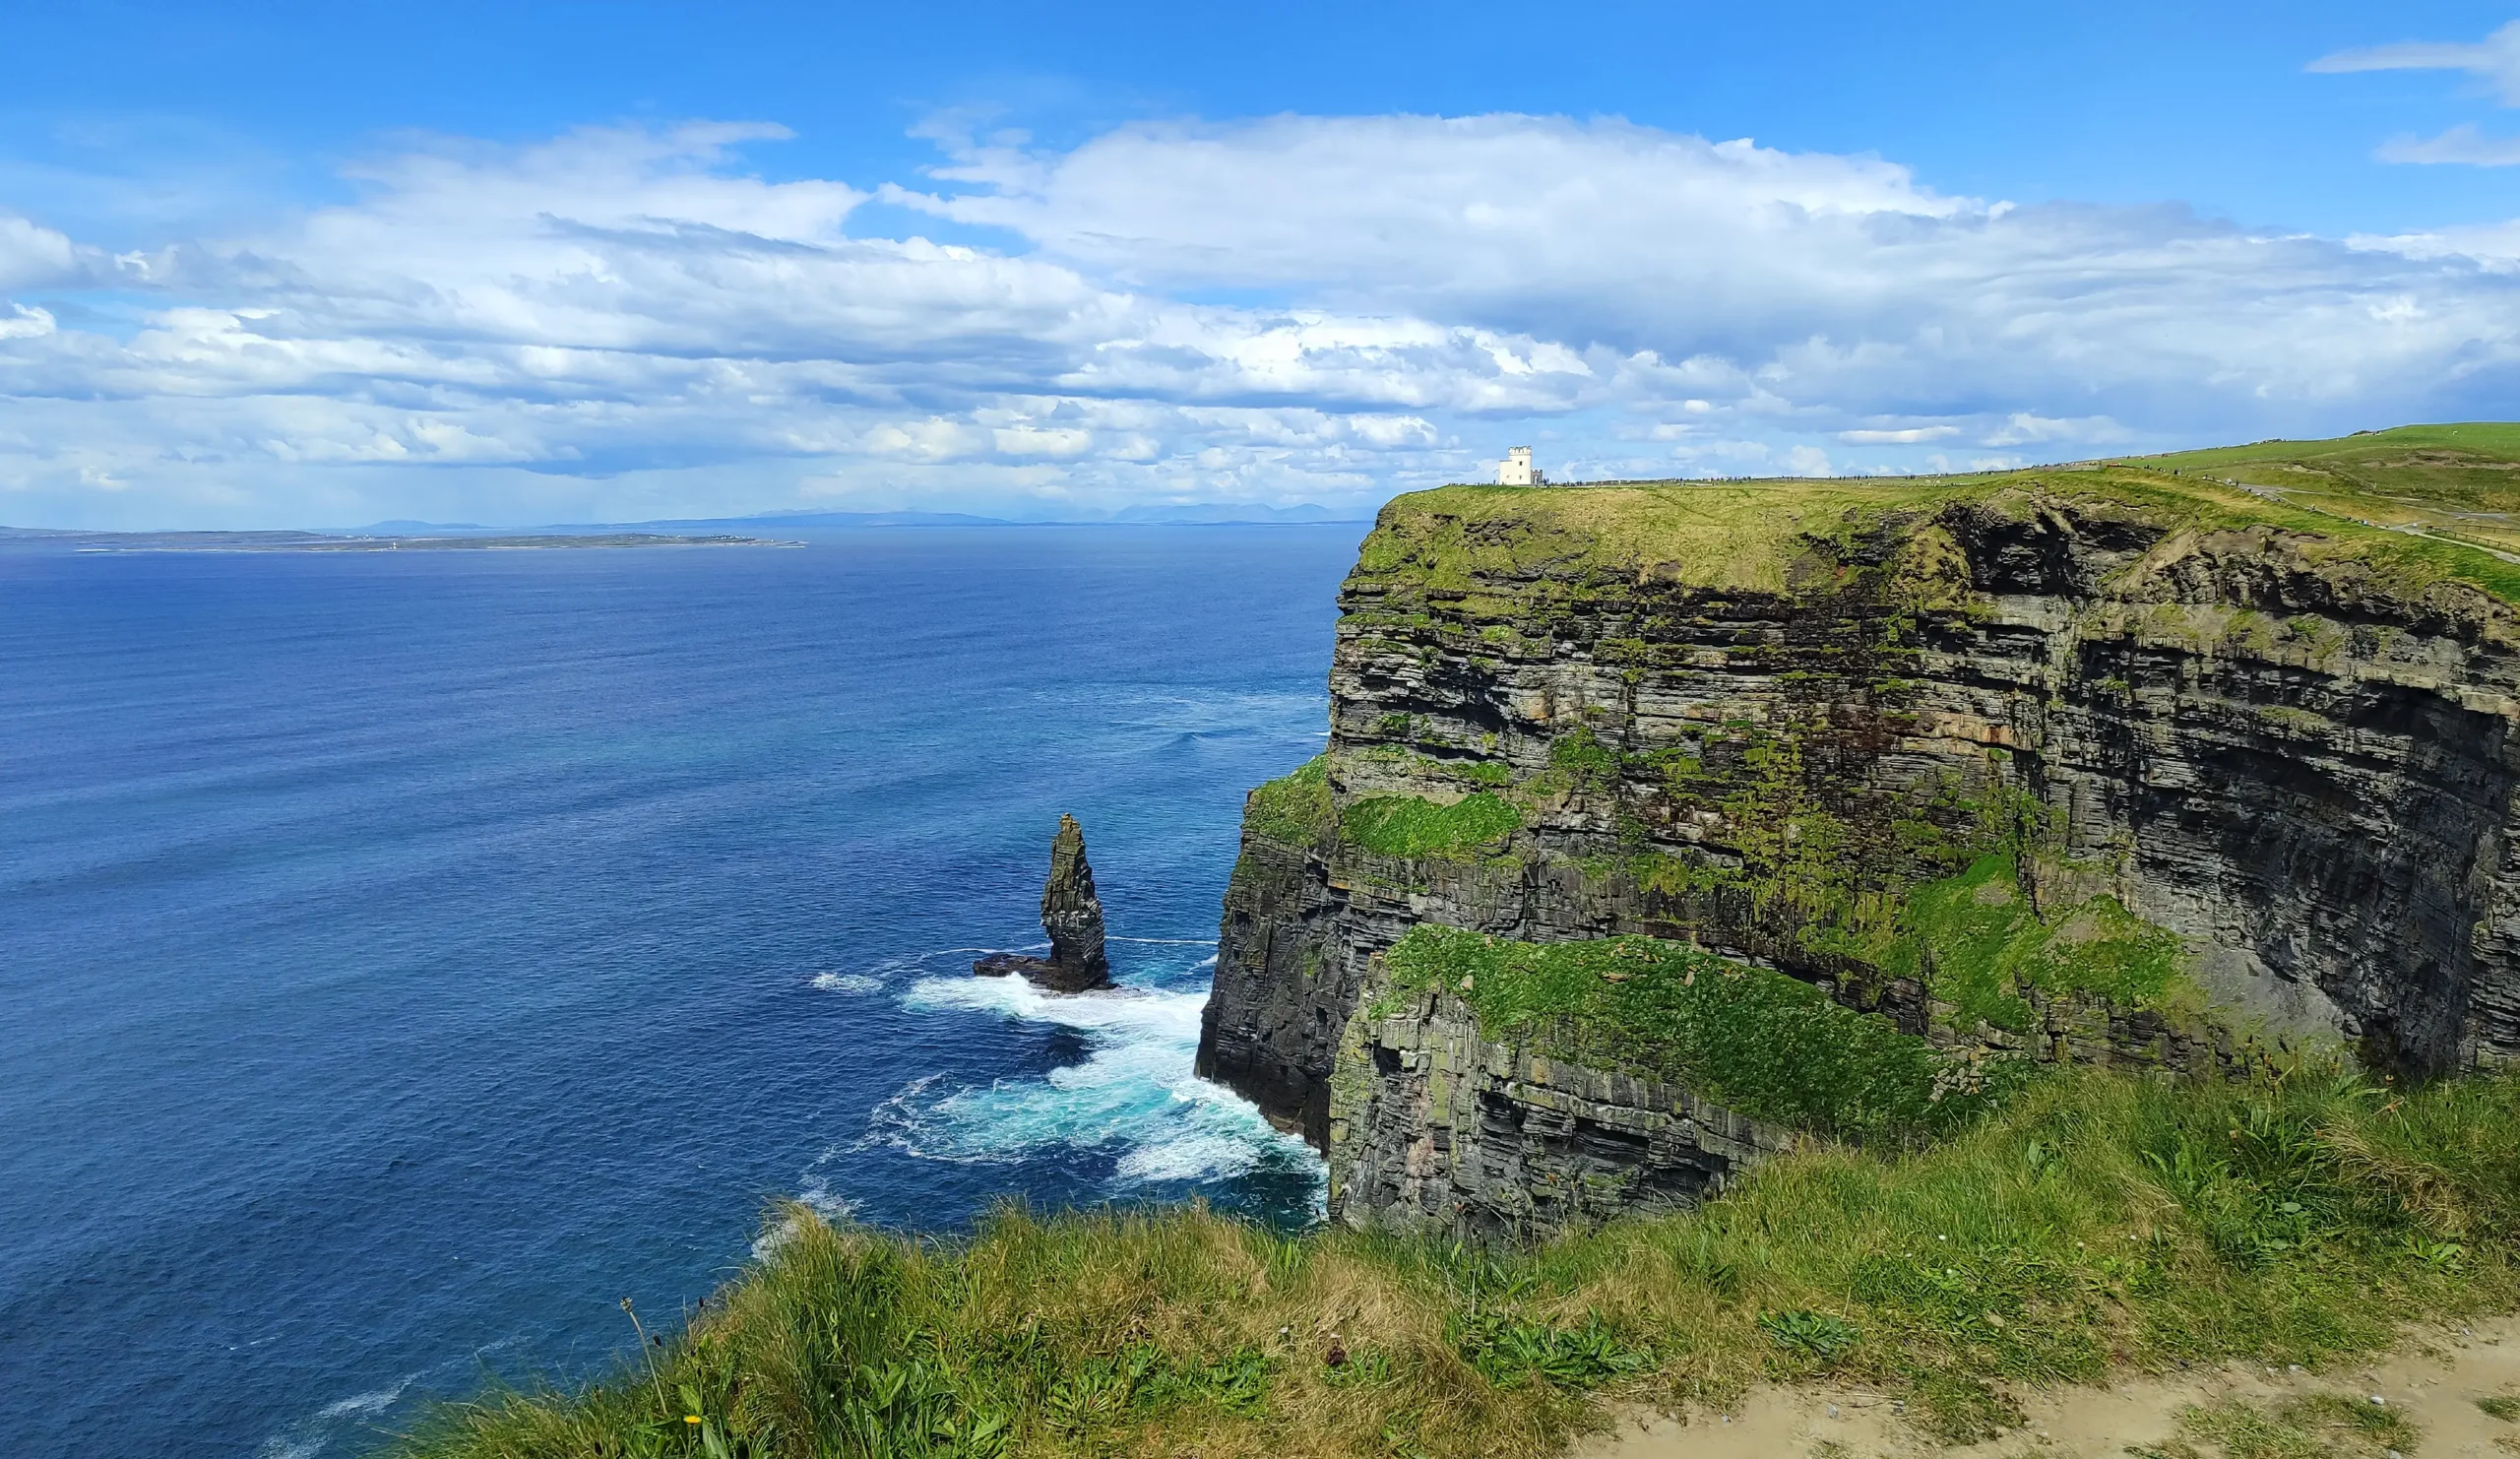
pixel 816 1197
pixel 308 1437
pixel 375 1402
pixel 847 982
pixel 1133 1095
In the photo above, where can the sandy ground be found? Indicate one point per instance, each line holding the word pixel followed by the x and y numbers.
pixel 2436 1376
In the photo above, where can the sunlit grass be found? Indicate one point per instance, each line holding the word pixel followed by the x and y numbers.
pixel 2098 1223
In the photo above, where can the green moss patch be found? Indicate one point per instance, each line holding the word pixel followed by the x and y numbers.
pixel 1977 943
pixel 1755 1041
pixel 1410 826
pixel 1294 809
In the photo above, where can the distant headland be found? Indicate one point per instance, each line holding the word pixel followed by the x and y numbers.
pixel 324 542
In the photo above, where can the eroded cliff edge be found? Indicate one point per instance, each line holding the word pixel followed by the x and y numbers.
pixel 2102 765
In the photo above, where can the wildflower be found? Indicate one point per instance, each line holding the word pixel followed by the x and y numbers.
pixel 691 1418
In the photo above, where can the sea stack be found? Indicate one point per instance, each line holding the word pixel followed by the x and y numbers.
pixel 1073 916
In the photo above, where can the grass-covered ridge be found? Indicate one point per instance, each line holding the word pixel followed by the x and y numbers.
pixel 2355 493
pixel 1756 1041
pixel 2095 1223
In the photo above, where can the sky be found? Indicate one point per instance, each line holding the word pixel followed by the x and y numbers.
pixel 273 265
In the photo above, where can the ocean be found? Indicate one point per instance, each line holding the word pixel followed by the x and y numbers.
pixel 405 957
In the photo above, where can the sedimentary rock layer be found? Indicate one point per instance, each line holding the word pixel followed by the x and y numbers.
pixel 2299 762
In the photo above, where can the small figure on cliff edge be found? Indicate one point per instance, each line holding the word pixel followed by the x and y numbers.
pixel 1073 916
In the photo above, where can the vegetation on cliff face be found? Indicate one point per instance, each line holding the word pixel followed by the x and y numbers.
pixel 1751 1040
pixel 1413 826
pixel 2096 1222
pixel 1979 943
pixel 1295 809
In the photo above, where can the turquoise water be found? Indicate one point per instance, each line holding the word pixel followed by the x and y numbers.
pixel 403 958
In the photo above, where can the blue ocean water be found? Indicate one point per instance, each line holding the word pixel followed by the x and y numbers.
pixel 405 957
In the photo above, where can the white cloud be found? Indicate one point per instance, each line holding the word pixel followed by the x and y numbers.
pixel 2462 144
pixel 2022 429
pixel 1904 436
pixel 2496 59
pixel 36 257
pixel 2494 246
pixel 26 322
pixel 1808 461
pixel 621 321
pixel 1837 281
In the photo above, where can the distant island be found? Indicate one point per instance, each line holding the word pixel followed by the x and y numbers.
pixel 318 541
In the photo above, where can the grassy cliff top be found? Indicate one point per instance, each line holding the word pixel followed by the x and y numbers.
pixel 2420 504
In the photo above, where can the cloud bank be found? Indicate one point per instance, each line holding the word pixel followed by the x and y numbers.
pixel 625 322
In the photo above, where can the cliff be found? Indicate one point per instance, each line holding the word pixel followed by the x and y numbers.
pixel 2185 763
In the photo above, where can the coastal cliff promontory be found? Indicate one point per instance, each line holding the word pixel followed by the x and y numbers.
pixel 1663 823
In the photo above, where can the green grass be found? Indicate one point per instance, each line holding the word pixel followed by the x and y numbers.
pixel 1295 809
pixel 2321 1426
pixel 2462 464
pixel 2097 1223
pixel 1755 1041
pixel 1979 940
pixel 1412 826
pixel 1482 546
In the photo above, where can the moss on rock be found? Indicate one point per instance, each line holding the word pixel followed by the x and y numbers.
pixel 1756 1041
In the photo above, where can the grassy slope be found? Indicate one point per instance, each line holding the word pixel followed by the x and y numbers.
pixel 1749 535
pixel 2098 1221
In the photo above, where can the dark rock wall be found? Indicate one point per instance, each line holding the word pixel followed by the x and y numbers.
pixel 1433 1126
pixel 2304 773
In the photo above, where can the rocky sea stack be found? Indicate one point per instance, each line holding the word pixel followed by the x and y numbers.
pixel 1073 916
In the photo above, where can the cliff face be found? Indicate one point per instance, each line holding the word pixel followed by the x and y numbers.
pixel 2061 767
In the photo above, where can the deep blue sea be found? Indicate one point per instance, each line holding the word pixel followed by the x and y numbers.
pixel 405 957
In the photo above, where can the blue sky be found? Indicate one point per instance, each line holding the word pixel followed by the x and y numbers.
pixel 302 264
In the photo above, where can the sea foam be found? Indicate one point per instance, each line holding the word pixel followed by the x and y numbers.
pixel 1133 1097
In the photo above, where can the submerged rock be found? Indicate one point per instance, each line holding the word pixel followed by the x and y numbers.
pixel 1073 916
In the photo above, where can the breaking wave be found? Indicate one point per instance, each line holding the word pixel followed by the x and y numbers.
pixel 1133 1097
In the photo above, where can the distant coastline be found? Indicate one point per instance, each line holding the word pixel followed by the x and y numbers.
pixel 317 541
pixel 695 532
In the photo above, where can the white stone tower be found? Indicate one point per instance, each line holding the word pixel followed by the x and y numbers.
pixel 1516 470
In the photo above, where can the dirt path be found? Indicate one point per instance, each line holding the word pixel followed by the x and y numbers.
pixel 2435 1377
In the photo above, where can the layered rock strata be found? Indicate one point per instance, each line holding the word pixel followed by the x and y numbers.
pixel 1434 1125
pixel 2299 763
pixel 1072 916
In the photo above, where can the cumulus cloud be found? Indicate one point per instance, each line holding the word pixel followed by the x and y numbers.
pixel 1841 282
pixel 1284 309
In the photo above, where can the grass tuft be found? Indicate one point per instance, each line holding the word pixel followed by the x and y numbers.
pixel 2320 1427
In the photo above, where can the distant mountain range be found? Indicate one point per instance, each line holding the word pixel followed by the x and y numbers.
pixel 1202 514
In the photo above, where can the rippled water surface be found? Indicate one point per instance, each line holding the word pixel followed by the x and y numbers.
pixel 403 958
